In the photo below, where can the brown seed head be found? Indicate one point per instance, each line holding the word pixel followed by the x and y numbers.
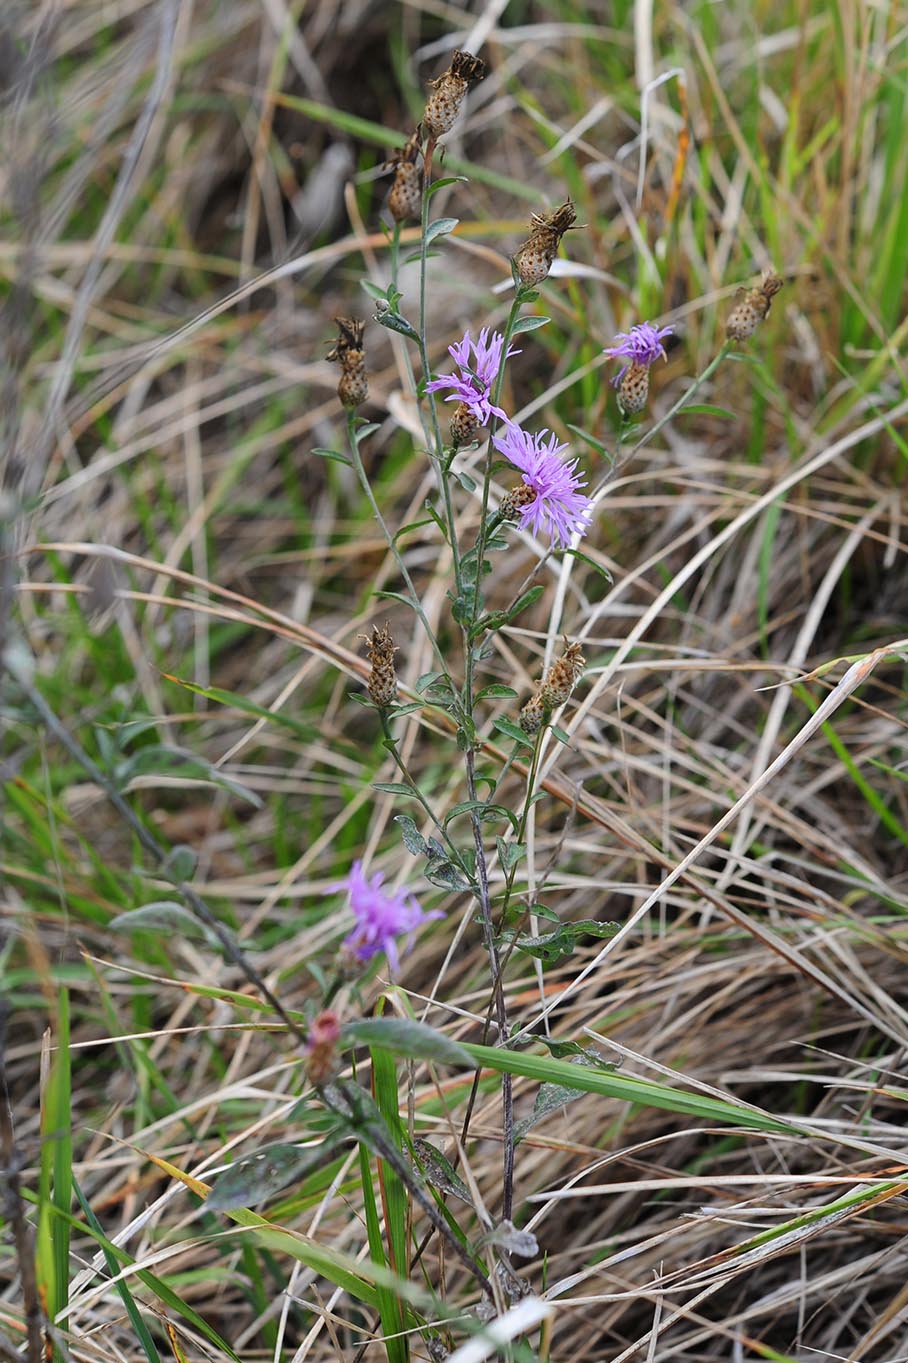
pixel 464 424
pixel 405 196
pixel 633 389
pixel 512 502
pixel 449 91
pixel 751 307
pixel 535 257
pixel 347 351
pixel 532 716
pixel 562 677
pixel 382 683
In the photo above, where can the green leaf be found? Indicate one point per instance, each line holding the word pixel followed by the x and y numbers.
pixel 439 1172
pixel 247 707
pixel 707 409
pixel 165 760
pixel 507 726
pixel 411 1039
pixel 627 1088
pixel 413 839
pixel 523 602
pixel 180 864
pixel 561 734
pixel 333 454
pixel 441 871
pixel 393 788
pixel 590 563
pixel 466 482
pixel 528 324
pixel 553 946
pixel 552 1097
pixel 375 292
pixel 412 525
pixel 136 1319
pixel 448 180
pixel 165 917
pixel 258 1177
pixel 440 228
pixel 395 322
pixel 496 692
pixel 509 853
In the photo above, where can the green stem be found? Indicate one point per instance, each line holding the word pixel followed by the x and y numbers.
pixel 366 486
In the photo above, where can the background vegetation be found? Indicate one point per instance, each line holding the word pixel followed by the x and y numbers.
pixel 190 194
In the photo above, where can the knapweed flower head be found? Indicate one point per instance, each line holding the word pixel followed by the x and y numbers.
pixel 479 362
pixel 380 651
pixel 536 256
pixel 347 351
pixel 555 504
pixel 381 916
pixel 449 91
pixel 752 307
pixel 642 345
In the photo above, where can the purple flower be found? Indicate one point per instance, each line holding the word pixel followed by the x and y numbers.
pixel 557 506
pixel 641 345
pixel 474 385
pixel 380 916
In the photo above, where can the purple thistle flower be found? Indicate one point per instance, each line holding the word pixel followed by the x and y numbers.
pixel 380 916
pixel 558 506
pixel 641 345
pixel 474 384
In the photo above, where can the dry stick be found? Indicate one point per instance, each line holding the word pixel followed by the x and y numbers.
pixel 13 1211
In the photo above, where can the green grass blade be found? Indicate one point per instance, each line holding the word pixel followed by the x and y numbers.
pixel 132 1310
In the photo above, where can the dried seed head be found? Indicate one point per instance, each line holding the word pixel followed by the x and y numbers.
pixel 751 307
pixel 347 351
pixel 405 197
pixel 633 389
pixel 382 683
pixel 464 424
pixel 449 91
pixel 535 257
pixel 562 677
pixel 513 501
pixel 532 716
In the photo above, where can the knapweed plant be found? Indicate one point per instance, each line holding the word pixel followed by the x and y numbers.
pixel 493 480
